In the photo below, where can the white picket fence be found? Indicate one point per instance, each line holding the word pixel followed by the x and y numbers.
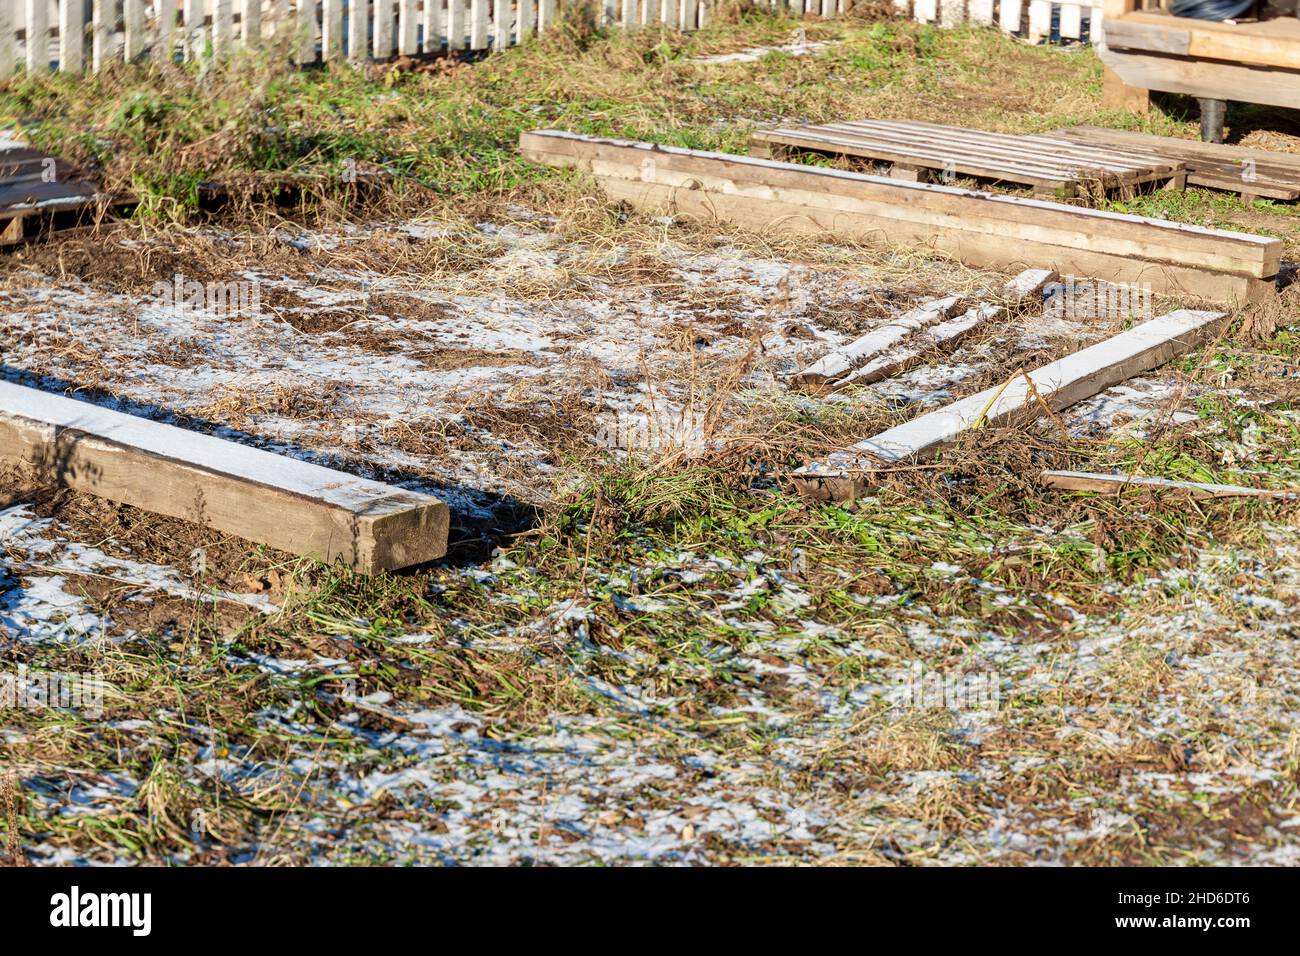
pixel 74 35
pixel 1033 20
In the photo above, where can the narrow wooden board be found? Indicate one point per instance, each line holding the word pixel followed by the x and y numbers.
pixel 978 228
pixel 1214 165
pixel 1215 79
pixel 943 337
pixel 1057 385
pixel 841 361
pixel 1116 484
pixel 270 499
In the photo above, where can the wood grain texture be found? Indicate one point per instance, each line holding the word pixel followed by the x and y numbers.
pixel 1025 396
pixel 978 228
pixel 1117 484
pixel 269 499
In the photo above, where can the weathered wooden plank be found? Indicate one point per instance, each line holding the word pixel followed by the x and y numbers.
pixel 1271 86
pixel 270 499
pixel 38 36
pixel 358 30
pixel 408 30
pixel 456 25
pixel 943 337
pixel 478 24
pixel 331 38
pixel 527 15
pixel 103 14
pixel 305 32
pixel 1009 16
pixel 1040 20
pixel 432 42
pixel 1024 396
pixel 250 22
pixel 546 14
pixel 72 38
pixel 1124 35
pixel 1117 484
pixel 382 29
pixel 135 38
pixel 501 17
pixel 841 361
pixel 978 228
pixel 223 27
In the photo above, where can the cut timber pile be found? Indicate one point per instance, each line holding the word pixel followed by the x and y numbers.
pixel 270 499
pixel 1115 484
pixel 1255 173
pixel 33 184
pixel 980 229
pixel 1057 385
pixel 912 338
pixel 1053 167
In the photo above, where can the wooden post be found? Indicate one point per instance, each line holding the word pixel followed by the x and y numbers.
pixel 500 25
pixel 306 32
pixel 455 25
pixel 478 24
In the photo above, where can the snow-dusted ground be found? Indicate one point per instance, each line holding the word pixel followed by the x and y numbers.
pixel 385 391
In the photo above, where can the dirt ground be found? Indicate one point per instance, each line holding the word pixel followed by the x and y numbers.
pixel 643 646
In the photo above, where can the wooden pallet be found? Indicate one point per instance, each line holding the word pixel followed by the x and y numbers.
pixel 36 189
pixel 1050 166
pixel 1273 175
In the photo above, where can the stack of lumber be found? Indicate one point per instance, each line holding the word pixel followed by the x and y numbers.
pixel 1254 173
pixel 269 499
pixel 1051 166
pixel 980 229
pixel 847 474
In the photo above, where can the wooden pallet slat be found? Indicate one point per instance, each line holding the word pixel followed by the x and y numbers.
pixel 331 22
pixel 135 36
pixel 1048 165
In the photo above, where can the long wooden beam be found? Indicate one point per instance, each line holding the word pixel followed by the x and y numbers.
pixel 270 499
pixel 981 229
pixel 1115 484
pixel 847 474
